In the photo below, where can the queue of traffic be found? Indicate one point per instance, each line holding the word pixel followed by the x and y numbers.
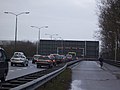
pixel 19 58
pixel 50 60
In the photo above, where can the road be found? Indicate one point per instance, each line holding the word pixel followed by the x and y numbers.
pixel 18 71
pixel 87 75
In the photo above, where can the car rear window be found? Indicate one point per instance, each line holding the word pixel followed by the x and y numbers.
pixel 44 58
pixel 36 57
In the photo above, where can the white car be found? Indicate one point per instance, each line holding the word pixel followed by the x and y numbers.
pixel 19 60
pixel 18 53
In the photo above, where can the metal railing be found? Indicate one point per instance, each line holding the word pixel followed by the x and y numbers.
pixel 42 80
pixel 112 62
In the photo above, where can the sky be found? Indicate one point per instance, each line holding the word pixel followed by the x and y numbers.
pixel 70 19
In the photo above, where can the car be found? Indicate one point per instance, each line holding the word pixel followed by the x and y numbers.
pixel 63 58
pixel 18 53
pixel 35 58
pixel 69 57
pixel 3 65
pixel 19 59
pixel 59 58
pixel 45 61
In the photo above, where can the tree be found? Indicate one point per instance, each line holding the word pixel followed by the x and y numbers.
pixel 27 47
pixel 109 27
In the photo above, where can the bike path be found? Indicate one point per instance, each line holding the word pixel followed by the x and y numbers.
pixel 88 75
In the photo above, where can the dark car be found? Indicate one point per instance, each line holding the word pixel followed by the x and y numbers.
pixel 3 65
pixel 35 58
pixel 58 58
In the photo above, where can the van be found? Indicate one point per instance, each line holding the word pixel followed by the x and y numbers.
pixel 3 65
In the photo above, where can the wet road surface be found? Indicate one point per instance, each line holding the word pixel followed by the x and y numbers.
pixel 87 75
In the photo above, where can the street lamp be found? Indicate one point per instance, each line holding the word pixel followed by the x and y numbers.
pixel 51 35
pixel 61 45
pixel 38 36
pixel 16 15
pixel 52 45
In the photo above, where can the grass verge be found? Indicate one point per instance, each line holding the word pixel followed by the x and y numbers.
pixel 61 82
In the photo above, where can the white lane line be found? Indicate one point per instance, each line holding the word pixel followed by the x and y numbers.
pixel 18 69
pixel 24 68
pixel 11 70
pixel 31 66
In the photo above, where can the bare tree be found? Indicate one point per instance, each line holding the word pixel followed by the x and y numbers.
pixel 29 48
pixel 109 26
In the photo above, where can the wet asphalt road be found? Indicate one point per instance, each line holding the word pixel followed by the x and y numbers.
pixel 17 71
pixel 87 75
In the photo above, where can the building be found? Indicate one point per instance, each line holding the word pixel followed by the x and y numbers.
pixel 87 49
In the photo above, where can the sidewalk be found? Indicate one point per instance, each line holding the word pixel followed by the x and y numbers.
pixel 87 75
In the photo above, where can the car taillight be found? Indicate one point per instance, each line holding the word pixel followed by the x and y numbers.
pixel 36 60
pixel 49 61
pixel 53 60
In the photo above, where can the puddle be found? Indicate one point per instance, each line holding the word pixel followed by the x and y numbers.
pixel 76 85
pixel 117 76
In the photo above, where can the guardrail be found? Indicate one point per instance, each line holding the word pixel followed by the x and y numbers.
pixel 112 62
pixel 42 80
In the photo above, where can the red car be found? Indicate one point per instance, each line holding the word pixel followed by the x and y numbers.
pixel 45 61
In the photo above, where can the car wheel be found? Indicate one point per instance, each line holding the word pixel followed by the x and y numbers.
pixel 11 64
pixel 14 64
pixel 50 66
pixel 38 66
pixel 3 78
pixel 24 64
pixel 33 62
pixel 27 64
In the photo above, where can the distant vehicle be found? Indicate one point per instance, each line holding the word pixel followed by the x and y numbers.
pixel 19 59
pixel 3 65
pixel 68 57
pixel 73 55
pixel 63 58
pixel 45 61
pixel 58 58
pixel 35 58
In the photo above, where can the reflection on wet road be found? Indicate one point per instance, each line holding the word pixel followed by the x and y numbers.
pixel 87 75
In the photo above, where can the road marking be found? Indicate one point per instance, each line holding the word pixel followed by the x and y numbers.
pixel 32 66
pixel 18 69
pixel 24 68
pixel 11 70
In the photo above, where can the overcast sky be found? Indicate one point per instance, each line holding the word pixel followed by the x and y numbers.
pixel 70 19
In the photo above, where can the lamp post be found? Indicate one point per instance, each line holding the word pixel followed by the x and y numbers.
pixel 53 43
pixel 16 15
pixel 38 36
pixel 61 45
